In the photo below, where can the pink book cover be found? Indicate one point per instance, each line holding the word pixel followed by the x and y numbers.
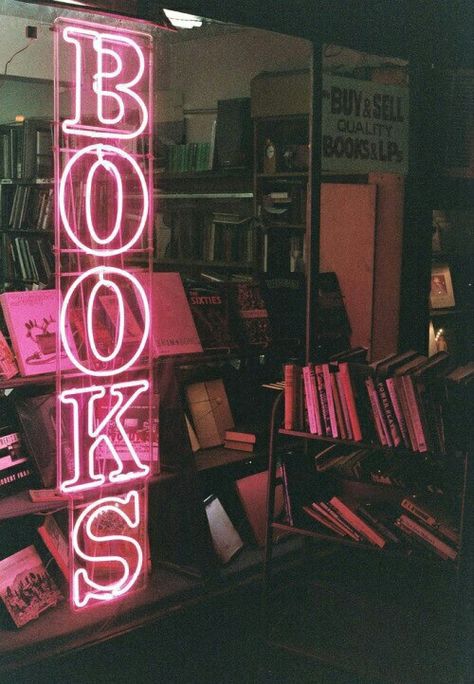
pixel 32 320
pixel 172 328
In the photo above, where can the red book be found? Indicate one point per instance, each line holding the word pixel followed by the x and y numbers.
pixel 330 400
pixel 357 523
pixel 172 329
pixel 350 400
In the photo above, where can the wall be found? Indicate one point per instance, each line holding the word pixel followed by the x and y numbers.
pixel 222 66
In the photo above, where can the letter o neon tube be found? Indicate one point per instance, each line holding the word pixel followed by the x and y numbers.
pixel 102 272
pixel 100 150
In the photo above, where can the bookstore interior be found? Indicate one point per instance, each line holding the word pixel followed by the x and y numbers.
pixel 231 226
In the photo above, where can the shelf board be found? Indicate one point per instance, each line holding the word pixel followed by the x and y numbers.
pixel 27 231
pixel 350 442
pixel 291 226
pixel 61 629
pixel 467 311
pixel 216 457
pixel 283 174
pixel 46 379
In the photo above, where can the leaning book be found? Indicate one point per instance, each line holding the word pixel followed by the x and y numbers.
pixel 26 587
pixel 32 320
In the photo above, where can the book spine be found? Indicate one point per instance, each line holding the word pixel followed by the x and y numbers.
pixel 350 401
pixel 382 431
pixel 407 383
pixel 379 526
pixel 326 422
pixel 430 520
pixel 338 407
pixel 398 412
pixel 405 410
pixel 310 400
pixel 345 411
pixel 330 519
pixel 440 546
pixel 356 522
pixel 330 400
pixel 350 529
pixel 290 395
pixel 323 520
pixel 389 413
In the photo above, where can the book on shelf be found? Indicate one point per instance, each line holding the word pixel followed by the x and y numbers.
pixel 8 365
pixel 56 542
pixel 16 471
pixel 250 314
pixel 173 329
pixel 243 439
pixel 238 446
pixel 293 396
pixel 353 519
pixel 26 149
pixel 37 417
pixel 434 516
pixel 31 318
pixel 226 541
pixel 210 308
pixel 26 587
pixel 418 530
pixel 210 411
pixel 285 300
pixel 252 492
pixel 311 399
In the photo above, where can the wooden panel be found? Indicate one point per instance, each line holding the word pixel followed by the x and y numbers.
pixel 347 246
pixel 280 93
pixel 388 263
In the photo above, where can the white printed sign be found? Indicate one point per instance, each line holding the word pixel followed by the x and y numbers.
pixel 365 126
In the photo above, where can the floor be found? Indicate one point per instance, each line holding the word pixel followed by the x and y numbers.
pixel 211 644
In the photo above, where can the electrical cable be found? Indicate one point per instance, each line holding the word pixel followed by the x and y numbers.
pixel 11 60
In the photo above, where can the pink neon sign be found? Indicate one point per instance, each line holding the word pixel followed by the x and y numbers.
pixel 103 215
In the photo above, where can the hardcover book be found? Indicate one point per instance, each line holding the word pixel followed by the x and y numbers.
pixel 15 466
pixel 32 320
pixel 285 300
pixel 8 367
pixel 209 303
pixel 173 329
pixel 26 588
pixel 210 411
pixel 37 416
pixel 56 543
pixel 225 538
pixel 252 492
pixel 251 314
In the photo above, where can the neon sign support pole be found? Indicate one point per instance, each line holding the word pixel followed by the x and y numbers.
pixel 103 217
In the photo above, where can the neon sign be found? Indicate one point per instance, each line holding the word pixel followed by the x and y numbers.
pixel 103 182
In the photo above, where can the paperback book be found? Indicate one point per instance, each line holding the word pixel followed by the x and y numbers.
pixel 32 320
pixel 26 587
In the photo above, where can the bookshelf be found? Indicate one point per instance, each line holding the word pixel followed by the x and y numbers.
pixel 280 189
pixel 352 584
pixel 451 313
pixel 26 204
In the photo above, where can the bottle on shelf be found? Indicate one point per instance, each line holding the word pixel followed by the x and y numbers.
pixel 269 157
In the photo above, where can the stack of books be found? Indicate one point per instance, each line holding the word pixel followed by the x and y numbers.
pixel 240 440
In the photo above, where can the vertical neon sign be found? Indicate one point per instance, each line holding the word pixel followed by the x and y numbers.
pixel 103 184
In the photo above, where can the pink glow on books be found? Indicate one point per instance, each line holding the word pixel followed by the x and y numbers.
pixel 77 36
pixel 86 462
pixel 102 272
pixel 84 588
pixel 100 151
